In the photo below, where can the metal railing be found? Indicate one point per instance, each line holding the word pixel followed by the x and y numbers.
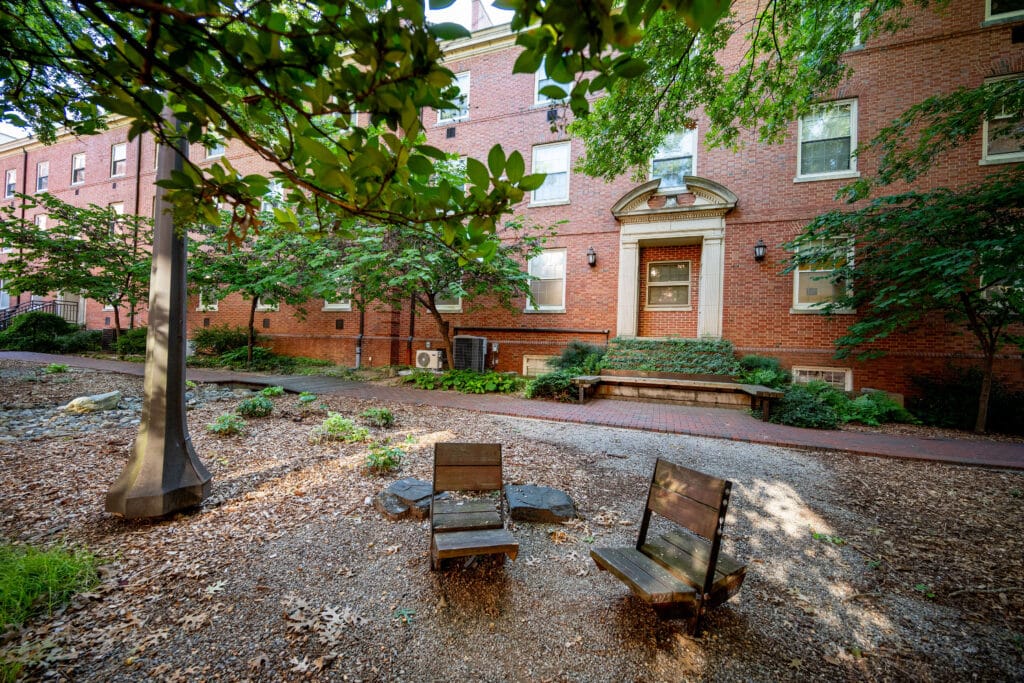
pixel 65 309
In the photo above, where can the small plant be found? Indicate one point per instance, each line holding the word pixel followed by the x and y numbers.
pixel 383 457
pixel 382 418
pixel 827 538
pixel 227 424
pixel 305 401
pixel 556 385
pixel 190 385
pixel 801 406
pixel 423 380
pixel 404 615
pixel 54 368
pixel 337 427
pixel 255 406
pixel 39 581
pixel 925 590
pixel 874 564
pixel 272 391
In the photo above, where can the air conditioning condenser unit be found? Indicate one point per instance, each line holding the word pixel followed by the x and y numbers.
pixel 427 359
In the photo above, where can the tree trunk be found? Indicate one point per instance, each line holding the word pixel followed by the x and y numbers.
pixel 251 342
pixel 981 423
pixel 443 327
pixel 117 323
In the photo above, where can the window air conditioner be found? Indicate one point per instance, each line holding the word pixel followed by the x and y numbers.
pixel 429 359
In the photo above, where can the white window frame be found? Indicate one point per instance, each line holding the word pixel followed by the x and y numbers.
pixel 338 305
pixel 42 179
pixel 445 115
pixel 567 146
pixel 10 182
pixel 1013 14
pixel 817 307
pixel 540 80
pixel 539 308
pixel 688 306
pixel 799 372
pixel 689 142
pixel 204 306
pixel 5 298
pixel 118 154
pixel 274 196
pixel 266 308
pixel 40 221
pixel 78 164
pixel 852 171
pixel 1006 157
pixel 216 151
pixel 449 308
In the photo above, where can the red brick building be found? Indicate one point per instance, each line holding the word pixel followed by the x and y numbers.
pixel 670 257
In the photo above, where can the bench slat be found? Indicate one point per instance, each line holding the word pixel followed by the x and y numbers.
pixel 690 483
pixel 473 478
pixel 477 542
pixel 685 556
pixel 647 578
pixel 448 453
pixel 465 521
pixel 699 518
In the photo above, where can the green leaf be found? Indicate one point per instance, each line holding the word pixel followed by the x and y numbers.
pixel 449 31
pixel 477 173
pixel 532 181
pixel 440 4
pixel 496 161
pixel 553 91
pixel 514 167
pixel 528 62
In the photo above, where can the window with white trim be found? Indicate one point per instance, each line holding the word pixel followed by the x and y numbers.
pixel 207 299
pixel 264 305
pixel 813 287
pixel 553 160
pixel 273 197
pixel 548 286
pixel 215 150
pixel 668 284
pixel 343 304
pixel 828 139
pixel 5 298
pixel 460 112
pixel 448 304
pixel 78 168
pixel 40 221
pixel 1002 137
pixel 117 208
pixel 1003 9
pixel 840 378
pixel 10 182
pixel 118 159
pixel 42 176
pixel 675 159
pixel 541 81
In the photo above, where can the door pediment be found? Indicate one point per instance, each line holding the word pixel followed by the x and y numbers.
pixel 702 198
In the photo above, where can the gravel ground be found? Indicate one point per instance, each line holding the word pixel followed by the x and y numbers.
pixel 858 568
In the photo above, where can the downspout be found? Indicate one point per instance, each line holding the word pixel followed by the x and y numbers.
pixel 412 327
pixel 359 339
pixel 135 223
pixel 24 191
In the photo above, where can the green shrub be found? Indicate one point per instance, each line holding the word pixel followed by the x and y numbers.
pixel 227 424
pixel 467 381
pixel 557 385
pixel 379 417
pixel 580 356
pixel 748 363
pixel 423 379
pixel 82 340
pixel 39 581
pixel 35 331
pixel 339 428
pixel 263 360
pixel 384 457
pixel 804 406
pixel 875 408
pixel 219 339
pixel 768 377
pixel 54 368
pixel 131 342
pixel 255 406
pixel 952 401
pixel 688 356
pixel 272 391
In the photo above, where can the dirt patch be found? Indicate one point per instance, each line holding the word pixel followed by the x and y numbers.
pixel 858 568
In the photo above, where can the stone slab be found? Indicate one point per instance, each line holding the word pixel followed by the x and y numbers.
pixel 94 403
pixel 529 503
pixel 390 506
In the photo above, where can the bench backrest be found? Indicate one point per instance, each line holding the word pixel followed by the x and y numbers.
pixel 467 466
pixel 692 500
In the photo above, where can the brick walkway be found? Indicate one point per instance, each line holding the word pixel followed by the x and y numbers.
pixel 711 422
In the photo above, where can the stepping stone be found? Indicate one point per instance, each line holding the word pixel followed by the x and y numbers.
pixel 539 504
pixel 94 403
pixel 411 494
pixel 390 506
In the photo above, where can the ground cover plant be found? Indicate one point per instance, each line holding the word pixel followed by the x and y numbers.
pixel 227 424
pixel 467 381
pixel 38 581
pixel 688 356
pixel 378 417
pixel 272 391
pixel 337 427
pixel 819 405
pixel 255 406
pixel 383 457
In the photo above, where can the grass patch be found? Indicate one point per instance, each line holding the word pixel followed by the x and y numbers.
pixel 34 581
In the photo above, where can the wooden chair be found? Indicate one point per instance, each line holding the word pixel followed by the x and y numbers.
pixel 471 527
pixel 682 571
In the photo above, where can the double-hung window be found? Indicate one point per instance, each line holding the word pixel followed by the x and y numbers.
pixel 554 161
pixel 548 284
pixel 207 299
pixel 1003 133
pixel 461 111
pixel 828 139
pixel 814 286
pixel 264 304
pixel 674 160
pixel 42 176
pixel 342 303
pixel 215 150
pixel 542 81
pixel 1004 9
pixel 668 284
pixel 78 168
pixel 10 182
pixel 118 159
pixel 40 221
pixel 448 304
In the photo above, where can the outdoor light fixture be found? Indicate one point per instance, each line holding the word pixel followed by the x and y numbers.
pixel 760 249
pixel 591 257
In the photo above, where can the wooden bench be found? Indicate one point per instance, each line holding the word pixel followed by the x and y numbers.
pixel 712 390
pixel 469 527
pixel 681 571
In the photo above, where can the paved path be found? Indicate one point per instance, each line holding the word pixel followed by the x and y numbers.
pixel 712 422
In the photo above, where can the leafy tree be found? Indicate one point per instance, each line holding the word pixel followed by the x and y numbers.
pixel 272 266
pixel 956 253
pixel 92 250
